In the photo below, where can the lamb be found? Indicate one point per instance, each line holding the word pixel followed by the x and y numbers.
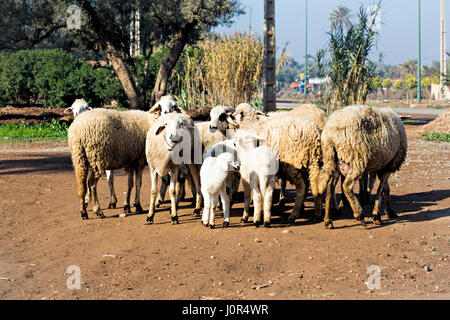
pixel 165 154
pixel 297 141
pixel 259 166
pixel 213 175
pixel 108 140
pixel 359 139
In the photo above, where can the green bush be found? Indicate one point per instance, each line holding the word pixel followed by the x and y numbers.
pixel 436 136
pixel 55 78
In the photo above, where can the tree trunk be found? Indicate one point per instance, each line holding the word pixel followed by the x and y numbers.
pixel 114 56
pixel 169 63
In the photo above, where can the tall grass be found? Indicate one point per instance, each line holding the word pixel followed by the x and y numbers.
pixel 223 70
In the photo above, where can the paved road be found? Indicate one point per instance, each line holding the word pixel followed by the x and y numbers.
pixel 409 111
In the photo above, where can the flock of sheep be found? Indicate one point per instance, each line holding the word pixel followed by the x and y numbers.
pixel 240 144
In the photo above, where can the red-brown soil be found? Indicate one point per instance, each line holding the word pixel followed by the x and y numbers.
pixel 42 234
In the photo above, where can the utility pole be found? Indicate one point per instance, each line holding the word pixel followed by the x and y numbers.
pixel 443 46
pixel 419 62
pixel 306 50
pixel 269 95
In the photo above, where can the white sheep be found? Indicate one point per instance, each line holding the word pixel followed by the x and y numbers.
pixel 104 140
pixel 297 141
pixel 79 106
pixel 166 153
pixel 360 139
pixel 259 166
pixel 213 175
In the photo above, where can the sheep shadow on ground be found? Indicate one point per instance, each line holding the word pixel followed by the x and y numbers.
pixel 36 163
pixel 412 207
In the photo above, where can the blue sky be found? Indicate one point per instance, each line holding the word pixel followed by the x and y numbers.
pixel 398 40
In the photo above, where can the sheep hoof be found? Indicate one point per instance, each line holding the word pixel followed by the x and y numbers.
pixel 139 209
pixel 377 220
pixel 149 221
pixel 257 223
pixel 100 214
pixel 244 220
pixel 329 225
pixel 266 224
pixel 175 220
pixel 225 224
pixel 362 221
pixel 391 214
pixel 205 224
pixel 196 212
pixel 158 203
pixel 84 215
pixel 126 209
pixel 291 219
pixel 111 205
pixel 211 226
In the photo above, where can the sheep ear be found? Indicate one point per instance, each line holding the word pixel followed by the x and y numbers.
pixel 187 124
pixel 69 109
pixel 89 108
pixel 231 120
pixel 177 109
pixel 160 129
pixel 155 109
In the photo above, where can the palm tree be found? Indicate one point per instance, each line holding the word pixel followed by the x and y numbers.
pixel 341 16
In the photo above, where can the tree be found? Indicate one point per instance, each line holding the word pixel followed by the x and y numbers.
pixel 350 69
pixel 341 17
pixel 426 82
pixel 105 30
pixel 398 84
pixel 376 83
pixel 387 83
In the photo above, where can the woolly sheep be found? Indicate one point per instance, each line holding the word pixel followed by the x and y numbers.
pixel 108 140
pixel 359 139
pixel 166 153
pixel 79 106
pixel 213 175
pixel 297 141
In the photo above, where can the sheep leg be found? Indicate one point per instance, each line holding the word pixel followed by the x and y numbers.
pixel 376 209
pixel 93 180
pixel 363 182
pixel 347 186
pixel 329 202
pixel 268 195
pixel 282 201
pixel 206 208
pixel 225 198
pixel 387 196
pixel 247 195
pixel 87 198
pixel 198 195
pixel 137 196
pixel 332 192
pixel 214 200
pixel 256 207
pixel 153 190
pixel 126 204
pixel 81 173
pixel 113 199
pixel 173 195
pixel 299 197
pixel 162 190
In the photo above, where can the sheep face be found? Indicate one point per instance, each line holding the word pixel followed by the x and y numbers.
pixel 221 118
pixel 227 162
pixel 174 129
pixel 79 106
pixel 245 112
pixel 165 105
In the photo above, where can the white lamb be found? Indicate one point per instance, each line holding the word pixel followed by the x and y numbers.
pixel 213 175
pixel 259 166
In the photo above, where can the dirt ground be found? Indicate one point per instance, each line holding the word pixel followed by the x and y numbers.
pixel 42 235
